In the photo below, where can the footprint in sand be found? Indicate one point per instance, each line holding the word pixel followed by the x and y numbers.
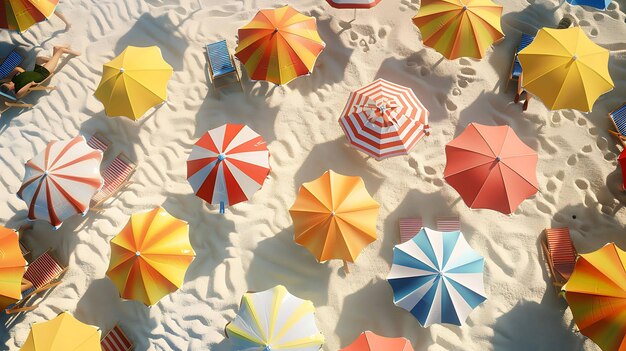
pixel 366 36
pixel 409 5
pixel 553 187
pixel 586 26
pixel 466 75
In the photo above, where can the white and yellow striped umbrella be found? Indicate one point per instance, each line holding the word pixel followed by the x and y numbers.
pixel 275 320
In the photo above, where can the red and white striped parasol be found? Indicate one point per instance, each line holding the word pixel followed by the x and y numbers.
pixel 353 4
pixel 384 119
pixel 61 181
pixel 228 165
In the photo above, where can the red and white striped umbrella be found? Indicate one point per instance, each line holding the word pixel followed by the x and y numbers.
pixel 61 181
pixel 353 4
pixel 228 165
pixel 384 119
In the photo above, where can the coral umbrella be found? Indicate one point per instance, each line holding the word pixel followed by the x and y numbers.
pixel 12 267
pixel 596 294
pixel 274 320
pixel 63 333
pixel 353 4
pixel 279 45
pixel 384 119
pixel 22 14
pixel 134 82
pixel 150 256
pixel 334 217
pixel 437 277
pixel 459 28
pixel 622 164
pixel 565 69
pixel 599 4
pixel 228 165
pixel 60 181
pixel 491 168
pixel 369 341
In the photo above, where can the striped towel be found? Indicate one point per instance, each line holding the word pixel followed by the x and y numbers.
pixel 409 227
pixel 115 340
pixel 448 224
pixel 43 270
pixel 562 251
pixel 114 176
pixel 95 143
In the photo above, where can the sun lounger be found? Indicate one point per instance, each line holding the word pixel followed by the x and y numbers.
pixel 115 175
pixel 9 100
pixel 221 63
pixel 618 118
pixel 116 340
pixel 560 254
pixel 9 63
pixel 15 307
pixel 409 227
pixel 99 142
pixel 448 224
pixel 516 67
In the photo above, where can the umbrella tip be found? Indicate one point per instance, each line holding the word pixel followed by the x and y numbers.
pixel 575 57
pixel 333 213
pixel 137 253
pixel 498 158
pixel 122 70
pixel 464 7
pixel 221 157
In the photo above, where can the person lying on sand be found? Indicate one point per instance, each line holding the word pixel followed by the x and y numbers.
pixel 21 80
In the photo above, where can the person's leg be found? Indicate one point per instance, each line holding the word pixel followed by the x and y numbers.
pixel 61 16
pixel 42 60
pixel 53 62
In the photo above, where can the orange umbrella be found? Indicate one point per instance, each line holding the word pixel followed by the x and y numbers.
pixel 369 341
pixel 334 217
pixel 491 168
pixel 279 45
pixel 12 269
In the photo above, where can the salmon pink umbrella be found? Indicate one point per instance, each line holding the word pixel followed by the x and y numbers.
pixel 61 181
pixel 228 165
pixel 369 341
pixel 491 168
pixel 353 4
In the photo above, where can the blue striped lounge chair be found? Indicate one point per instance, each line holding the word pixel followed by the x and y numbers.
pixel 10 63
pixel 221 63
pixel 618 118
pixel 516 67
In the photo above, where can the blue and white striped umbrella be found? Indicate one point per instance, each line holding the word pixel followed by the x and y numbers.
pixel 437 277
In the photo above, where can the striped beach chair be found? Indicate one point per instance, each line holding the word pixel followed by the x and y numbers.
pixel 618 118
pixel 516 67
pixel 10 62
pixel 99 142
pixel 448 224
pixel 18 306
pixel 560 253
pixel 116 340
pixel 221 64
pixel 409 227
pixel 116 176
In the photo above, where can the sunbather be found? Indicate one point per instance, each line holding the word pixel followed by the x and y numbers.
pixel 21 80
pixel 26 284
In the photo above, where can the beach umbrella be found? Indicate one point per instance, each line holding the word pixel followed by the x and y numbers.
pixel 384 119
pixel 334 217
pixel 353 4
pixel 134 82
pixel 150 256
pixel 437 277
pixel 228 164
pixel 63 333
pixel 622 164
pixel 459 28
pixel 596 294
pixel 12 267
pixel 279 45
pixel 369 341
pixel 565 69
pixel 60 181
pixel 22 14
pixel 274 320
pixel 490 167
pixel 599 4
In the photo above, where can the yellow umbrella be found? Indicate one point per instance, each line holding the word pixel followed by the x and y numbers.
pixel 150 256
pixel 134 82
pixel 334 217
pixel 565 69
pixel 459 28
pixel 63 333
pixel 12 269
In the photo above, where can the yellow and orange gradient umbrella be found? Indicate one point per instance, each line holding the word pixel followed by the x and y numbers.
pixel 459 28
pixel 22 14
pixel 12 267
pixel 150 256
pixel 334 217
pixel 596 294
pixel 279 45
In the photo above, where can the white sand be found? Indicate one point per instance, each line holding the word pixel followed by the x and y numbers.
pixel 251 247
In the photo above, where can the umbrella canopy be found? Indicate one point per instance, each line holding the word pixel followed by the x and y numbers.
pixel 334 217
pixel 596 294
pixel 134 82
pixel 491 168
pixel 63 333
pixel 60 181
pixel 228 165
pixel 437 277
pixel 275 320
pixel 369 341
pixel 353 4
pixel 384 119
pixel 12 267
pixel 279 45
pixel 150 256
pixel 22 14
pixel 599 4
pixel 459 28
pixel 622 164
pixel 565 69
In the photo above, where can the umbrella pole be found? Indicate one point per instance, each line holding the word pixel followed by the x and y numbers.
pixel 222 207
pixel 346 268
